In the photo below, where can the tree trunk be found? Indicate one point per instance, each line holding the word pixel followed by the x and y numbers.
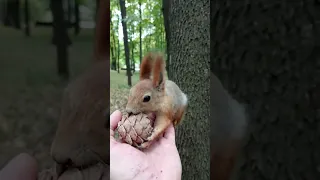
pixel 115 56
pixel 125 40
pixel 26 18
pixel 268 54
pixel 61 37
pixel 190 52
pixel 118 58
pixel 77 17
pixel 113 48
pixel 140 31
pixel 97 7
pixel 69 9
pixel 16 13
pixel 132 57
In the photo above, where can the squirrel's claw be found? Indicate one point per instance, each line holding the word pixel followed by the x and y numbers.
pixel 144 145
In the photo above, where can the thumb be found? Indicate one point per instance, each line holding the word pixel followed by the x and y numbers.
pixel 169 134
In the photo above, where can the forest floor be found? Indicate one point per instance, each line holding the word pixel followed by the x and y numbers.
pixel 119 89
pixel 31 92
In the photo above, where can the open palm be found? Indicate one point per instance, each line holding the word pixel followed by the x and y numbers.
pixel 160 161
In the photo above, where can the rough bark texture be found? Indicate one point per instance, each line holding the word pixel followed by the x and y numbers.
pixel 267 54
pixel 165 11
pixel 189 67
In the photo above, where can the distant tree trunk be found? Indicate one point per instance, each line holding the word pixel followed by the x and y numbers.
pixel 140 31
pixel 272 64
pixel 17 14
pixel 12 17
pixel 113 49
pixel 132 57
pixel 26 16
pixel 97 7
pixel 69 9
pixel 61 37
pixel 118 58
pixel 114 54
pixel 77 17
pixel 189 67
pixel 125 39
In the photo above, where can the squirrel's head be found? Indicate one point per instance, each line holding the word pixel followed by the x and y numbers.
pixel 147 94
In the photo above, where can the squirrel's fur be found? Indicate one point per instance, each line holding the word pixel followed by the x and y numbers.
pixel 166 100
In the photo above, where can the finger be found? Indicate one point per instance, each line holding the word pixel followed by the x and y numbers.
pixel 169 134
pixel 22 166
pixel 115 117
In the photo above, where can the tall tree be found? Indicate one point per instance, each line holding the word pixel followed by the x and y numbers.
pixel 189 68
pixel 16 13
pixel 77 17
pixel 140 31
pixel 125 39
pixel 26 17
pixel 113 48
pixel 271 62
pixel 61 38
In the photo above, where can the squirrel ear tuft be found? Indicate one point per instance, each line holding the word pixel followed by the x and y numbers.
pixel 146 67
pixel 158 73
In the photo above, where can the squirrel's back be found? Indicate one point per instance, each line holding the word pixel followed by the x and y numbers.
pixel 178 97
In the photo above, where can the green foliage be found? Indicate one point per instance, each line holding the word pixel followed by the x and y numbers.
pixel 152 26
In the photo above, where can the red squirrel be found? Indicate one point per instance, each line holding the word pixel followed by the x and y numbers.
pixel 228 120
pixel 156 95
pixel 83 130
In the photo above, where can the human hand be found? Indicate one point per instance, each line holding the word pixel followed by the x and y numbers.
pixel 20 167
pixel 160 161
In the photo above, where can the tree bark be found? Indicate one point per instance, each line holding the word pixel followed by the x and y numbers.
pixel 26 16
pixel 125 40
pixel 140 32
pixel 190 52
pixel 77 17
pixel 165 11
pixel 267 53
pixel 61 37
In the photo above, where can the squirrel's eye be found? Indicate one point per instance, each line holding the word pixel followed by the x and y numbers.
pixel 146 98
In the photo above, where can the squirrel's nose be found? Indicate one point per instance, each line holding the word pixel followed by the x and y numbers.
pixel 130 110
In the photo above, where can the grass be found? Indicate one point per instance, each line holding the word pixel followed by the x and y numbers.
pixel 30 92
pixel 119 89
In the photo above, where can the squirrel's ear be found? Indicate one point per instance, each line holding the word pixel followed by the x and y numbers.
pixel 158 73
pixel 146 67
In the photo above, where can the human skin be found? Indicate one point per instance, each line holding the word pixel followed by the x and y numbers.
pixel 23 166
pixel 160 161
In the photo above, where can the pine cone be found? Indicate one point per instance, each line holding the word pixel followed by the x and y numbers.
pixel 135 129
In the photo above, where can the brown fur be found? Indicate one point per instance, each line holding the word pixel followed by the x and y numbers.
pixel 167 101
pixel 146 67
pixel 82 136
pixel 158 72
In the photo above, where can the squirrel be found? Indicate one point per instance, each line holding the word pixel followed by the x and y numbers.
pixel 82 135
pixel 156 95
pixel 228 127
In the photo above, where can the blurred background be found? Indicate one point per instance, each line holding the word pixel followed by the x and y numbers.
pixel 43 45
pixel 137 27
